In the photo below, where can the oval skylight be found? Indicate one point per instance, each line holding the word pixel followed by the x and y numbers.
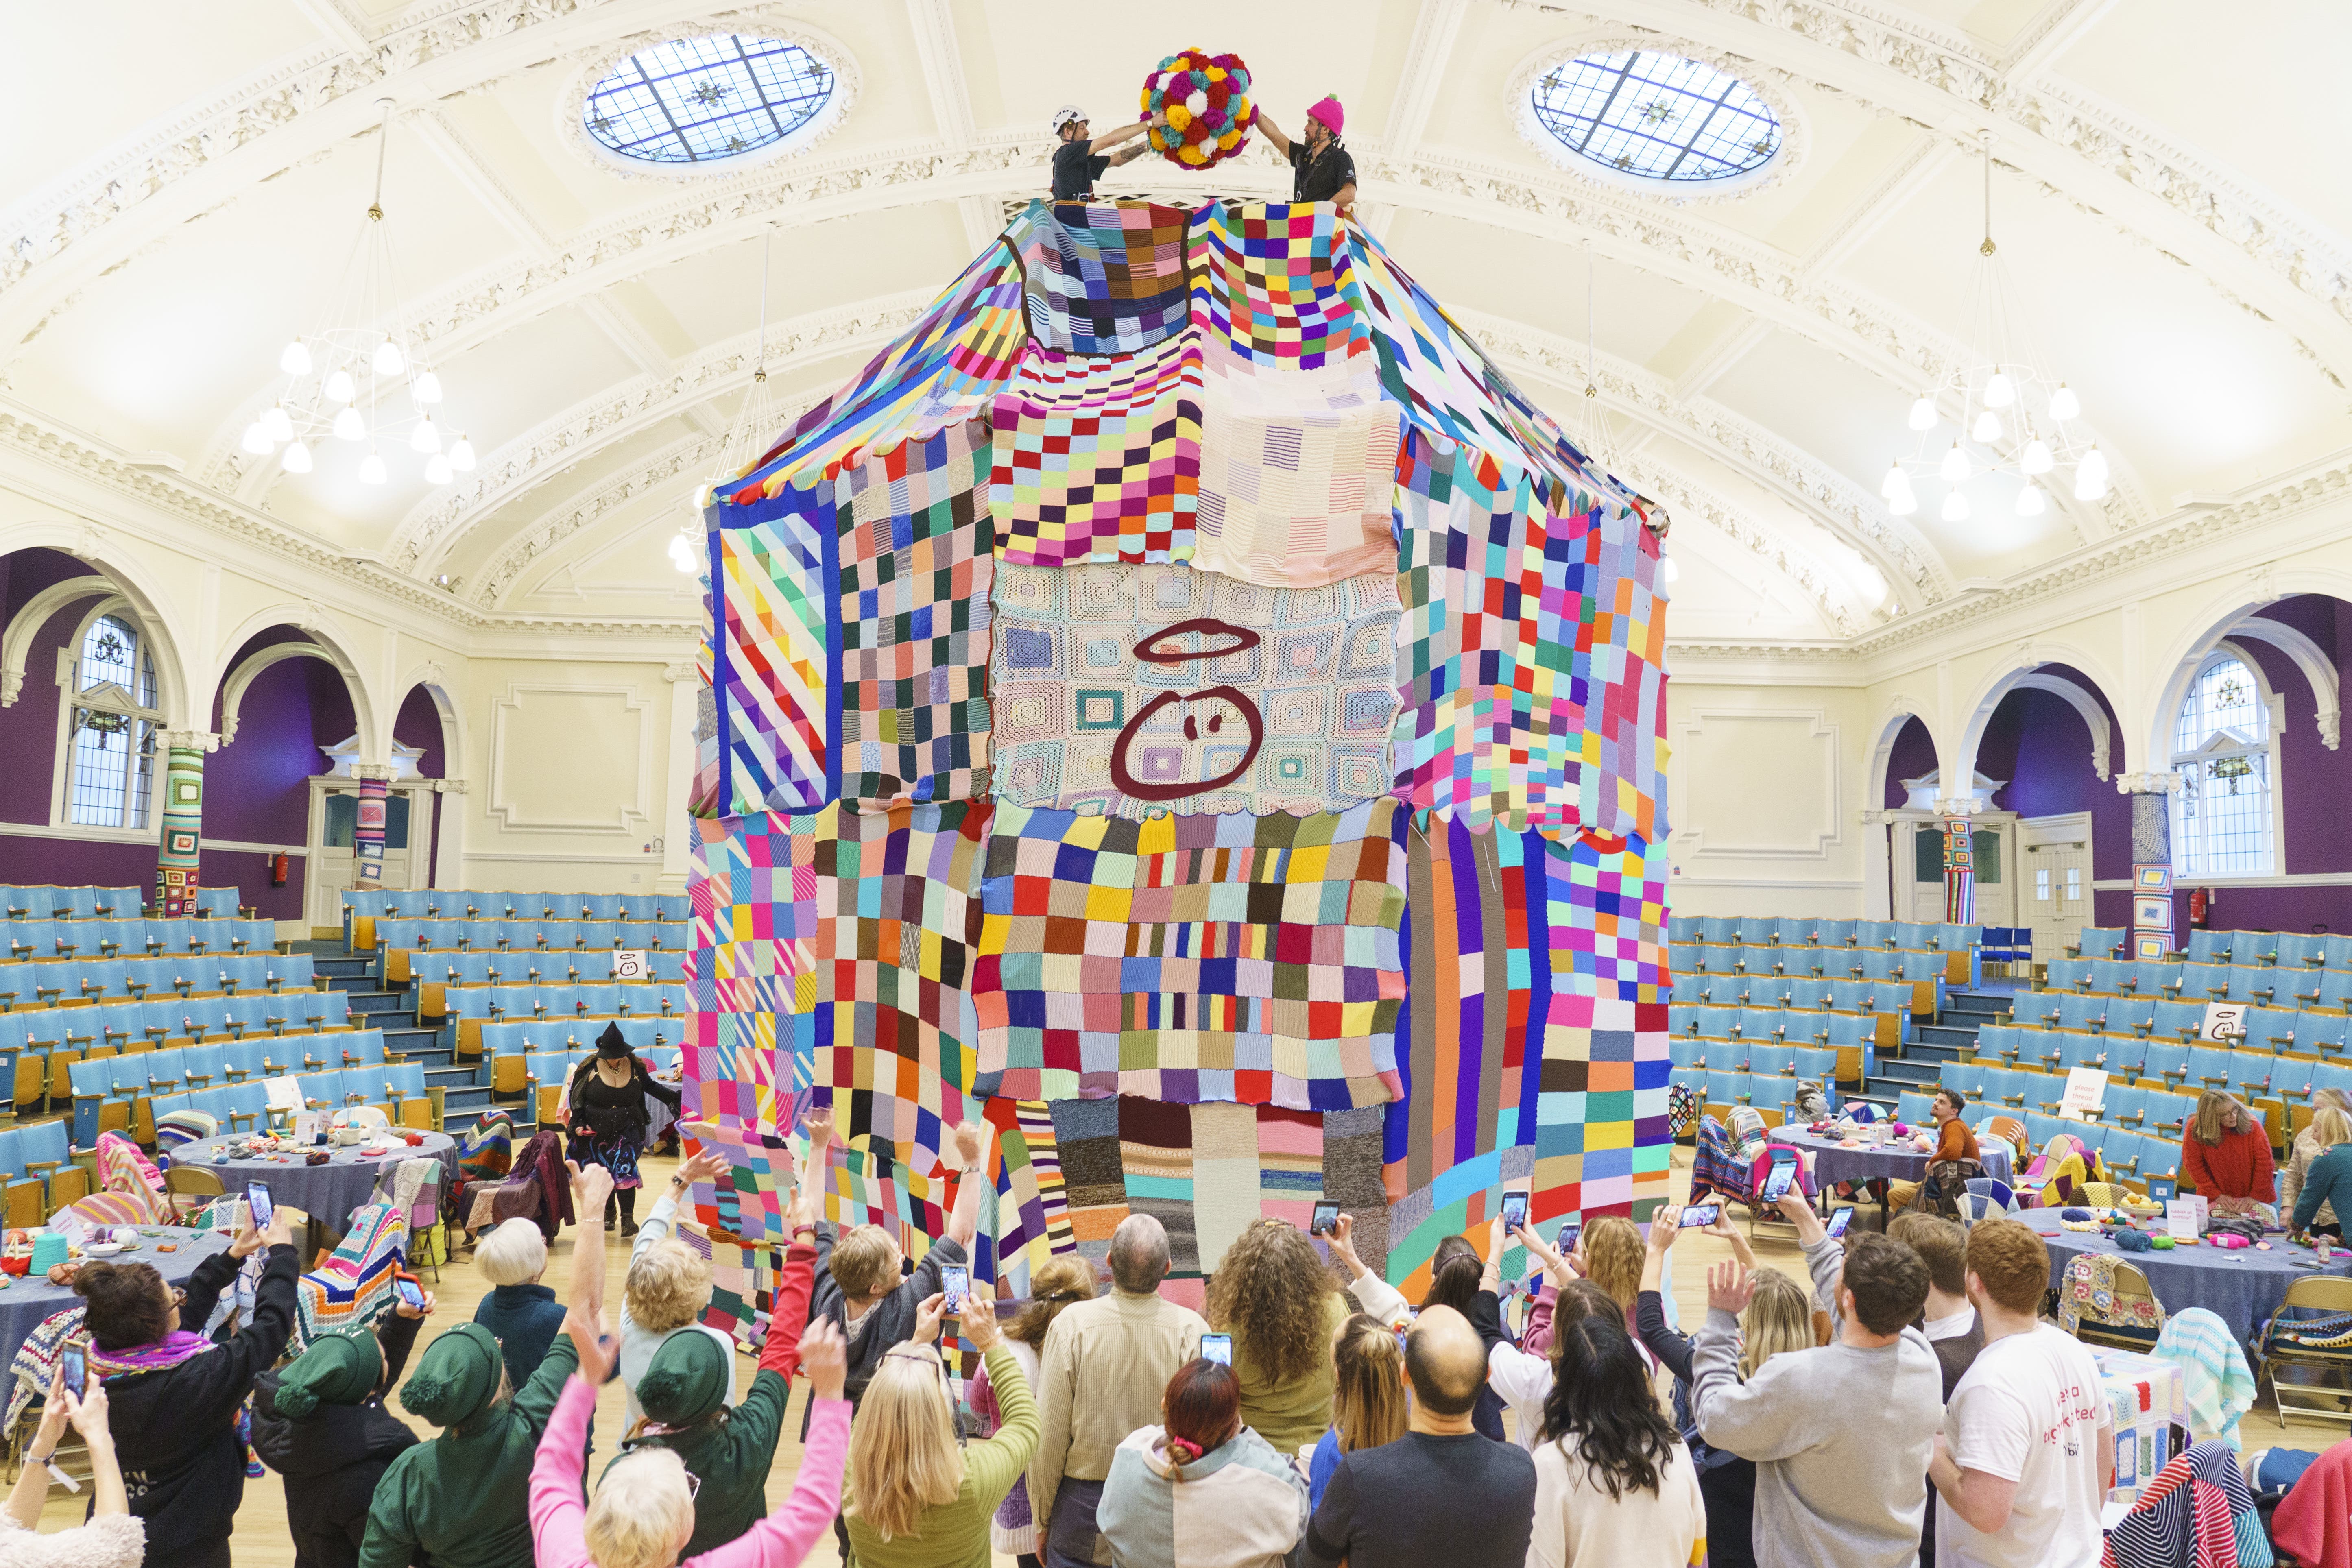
pixel 705 100
pixel 1641 115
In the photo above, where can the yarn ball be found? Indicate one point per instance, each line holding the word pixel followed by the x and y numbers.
pixel 2132 1241
pixel 1206 101
pixel 2076 1213
pixel 2161 1243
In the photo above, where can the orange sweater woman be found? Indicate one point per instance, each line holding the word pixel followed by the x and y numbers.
pixel 2225 1154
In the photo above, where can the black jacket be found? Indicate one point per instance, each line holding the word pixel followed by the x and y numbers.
pixel 175 1431
pixel 629 1120
pixel 332 1458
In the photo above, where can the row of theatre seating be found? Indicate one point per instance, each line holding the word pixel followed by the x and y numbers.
pixel 363 910
pixel 1710 1007
pixel 466 1011
pixel 1767 976
pixel 401 940
pixel 125 1093
pixel 23 900
pixel 77 982
pixel 1811 931
pixel 2243 949
pixel 530 1084
pixel 43 1074
pixel 39 938
pixel 2249 984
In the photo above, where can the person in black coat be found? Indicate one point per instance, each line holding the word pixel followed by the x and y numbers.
pixel 321 1424
pixel 605 1107
pixel 175 1395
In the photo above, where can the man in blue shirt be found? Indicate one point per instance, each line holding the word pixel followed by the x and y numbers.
pixel 1080 159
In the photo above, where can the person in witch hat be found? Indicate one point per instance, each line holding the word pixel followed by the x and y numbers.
pixel 605 1107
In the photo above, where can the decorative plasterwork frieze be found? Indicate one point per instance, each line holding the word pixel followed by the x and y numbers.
pixel 766 22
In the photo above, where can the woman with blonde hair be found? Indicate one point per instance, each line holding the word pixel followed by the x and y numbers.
pixel 2308 1148
pixel 1368 1406
pixel 914 1499
pixel 1456 1275
pixel 2327 1186
pixel 2225 1154
pixel 1057 1283
pixel 1274 1295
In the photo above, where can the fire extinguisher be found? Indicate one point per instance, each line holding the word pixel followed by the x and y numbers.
pixel 2201 904
pixel 277 867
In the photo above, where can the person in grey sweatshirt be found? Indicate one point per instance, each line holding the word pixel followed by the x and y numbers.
pixel 1840 1435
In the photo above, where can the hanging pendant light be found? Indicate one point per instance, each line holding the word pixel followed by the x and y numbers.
pixel 1987 428
pixel 1923 413
pixel 2000 392
pixel 257 440
pixel 2032 501
pixel 2091 476
pixel 297 458
pixel 387 360
pixel 461 455
pixel 1956 507
pixel 276 423
pixel 2036 457
pixel 295 360
pixel 1954 469
pixel 437 470
pixel 1667 570
pixel 425 388
pixel 349 425
pixel 2064 405
pixel 372 469
pixel 426 438
pixel 340 387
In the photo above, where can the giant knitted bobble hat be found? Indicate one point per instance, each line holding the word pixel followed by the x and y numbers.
pixel 687 1379
pixel 457 1378
pixel 340 1369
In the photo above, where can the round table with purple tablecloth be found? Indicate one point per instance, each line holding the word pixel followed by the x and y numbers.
pixel 1898 1161
pixel 29 1299
pixel 328 1192
pixel 2243 1286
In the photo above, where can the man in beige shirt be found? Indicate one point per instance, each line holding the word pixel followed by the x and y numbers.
pixel 1105 1365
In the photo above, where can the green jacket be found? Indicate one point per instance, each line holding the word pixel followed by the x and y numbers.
pixel 730 1455
pixel 955 1534
pixel 462 1500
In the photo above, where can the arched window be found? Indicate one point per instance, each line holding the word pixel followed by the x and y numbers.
pixel 2223 818
pixel 108 749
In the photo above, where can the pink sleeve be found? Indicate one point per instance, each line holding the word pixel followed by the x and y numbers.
pixel 1537 1339
pixel 981 1398
pixel 556 1512
pixel 783 1538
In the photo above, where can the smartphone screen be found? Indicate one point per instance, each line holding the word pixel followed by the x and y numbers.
pixel 1515 1211
pixel 257 1195
pixel 1838 1222
pixel 1326 1219
pixel 1569 1232
pixel 1218 1348
pixel 1700 1216
pixel 77 1370
pixel 955 1281
pixel 409 1294
pixel 1776 1185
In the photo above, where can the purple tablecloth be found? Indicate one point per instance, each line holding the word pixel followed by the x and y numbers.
pixel 326 1193
pixel 1833 1162
pixel 2242 1285
pixel 27 1299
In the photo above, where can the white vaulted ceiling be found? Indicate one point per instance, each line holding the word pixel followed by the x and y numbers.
pixel 184 184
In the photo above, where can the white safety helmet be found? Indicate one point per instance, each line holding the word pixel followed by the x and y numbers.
pixel 1069 113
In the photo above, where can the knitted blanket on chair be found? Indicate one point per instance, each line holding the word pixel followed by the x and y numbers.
pixel 353 1288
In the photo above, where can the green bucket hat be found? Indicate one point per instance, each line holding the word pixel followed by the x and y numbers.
pixel 686 1380
pixel 457 1377
pixel 340 1369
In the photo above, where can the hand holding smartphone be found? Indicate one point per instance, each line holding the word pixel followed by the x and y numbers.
pixel 1568 1233
pixel 1699 1216
pixel 75 1366
pixel 1514 1210
pixel 1326 1218
pixel 257 1199
pixel 406 1290
pixel 1218 1348
pixel 955 1284
pixel 1836 1229
pixel 1776 1184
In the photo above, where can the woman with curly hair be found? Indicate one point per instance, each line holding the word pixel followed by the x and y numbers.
pixel 1275 1296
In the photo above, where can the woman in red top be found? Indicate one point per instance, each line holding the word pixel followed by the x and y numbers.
pixel 2226 1155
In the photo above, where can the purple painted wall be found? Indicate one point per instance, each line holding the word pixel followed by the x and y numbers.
pixel 419 724
pixel 1913 756
pixel 29 728
pixel 2039 744
pixel 256 787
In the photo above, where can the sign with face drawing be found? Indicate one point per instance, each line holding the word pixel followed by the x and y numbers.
pixel 1132 690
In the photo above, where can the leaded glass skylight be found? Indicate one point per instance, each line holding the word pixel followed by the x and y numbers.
pixel 704 100
pixel 1644 115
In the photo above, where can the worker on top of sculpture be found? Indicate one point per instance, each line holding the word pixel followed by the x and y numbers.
pixel 1080 159
pixel 1322 169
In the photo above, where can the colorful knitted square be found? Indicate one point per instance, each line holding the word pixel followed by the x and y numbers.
pixel 1099 459
pixel 1106 279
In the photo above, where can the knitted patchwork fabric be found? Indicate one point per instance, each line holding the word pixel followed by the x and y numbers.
pixel 1106 279
pixel 353 1287
pixel 917 555
pixel 1099 459
pixel 1297 472
pixel 1192 958
pixel 772 659
pixel 1270 281
pixel 1125 689
pixel 1514 942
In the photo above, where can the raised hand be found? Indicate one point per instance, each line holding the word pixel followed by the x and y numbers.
pixel 1728 1287
pixel 403 1308
pixel 1664 1224
pixel 980 1322
pixel 970 1144
pixel 585 1327
pixel 824 1356
pixel 706 1165
pixel 927 1313
pixel 1343 1246
pixel 589 1187
pixel 88 1413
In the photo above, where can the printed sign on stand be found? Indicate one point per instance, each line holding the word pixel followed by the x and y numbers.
pixel 2223 1020
pixel 629 964
pixel 2184 1218
pixel 2086 1090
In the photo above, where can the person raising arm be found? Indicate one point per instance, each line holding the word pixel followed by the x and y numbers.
pixel 112 1538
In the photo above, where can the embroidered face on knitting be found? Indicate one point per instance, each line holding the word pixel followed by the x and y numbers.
pixel 1215 710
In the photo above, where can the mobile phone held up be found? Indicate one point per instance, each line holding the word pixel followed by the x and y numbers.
pixel 955 1283
pixel 410 1296
pixel 75 1366
pixel 1566 1242
pixel 1776 1184
pixel 1836 1229
pixel 1515 1211
pixel 1218 1348
pixel 1326 1218
pixel 256 1198
pixel 1699 1216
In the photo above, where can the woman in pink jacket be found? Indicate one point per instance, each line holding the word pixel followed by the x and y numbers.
pixel 643 1512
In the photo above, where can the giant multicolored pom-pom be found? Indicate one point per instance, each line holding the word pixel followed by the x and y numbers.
pixel 1208 107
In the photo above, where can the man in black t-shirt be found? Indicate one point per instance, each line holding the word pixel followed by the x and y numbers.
pixel 1322 169
pixel 1079 161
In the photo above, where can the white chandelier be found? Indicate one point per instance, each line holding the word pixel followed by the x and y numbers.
pixel 2013 417
pixel 356 382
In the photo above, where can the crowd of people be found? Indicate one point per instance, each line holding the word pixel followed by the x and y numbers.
pixel 1309 1415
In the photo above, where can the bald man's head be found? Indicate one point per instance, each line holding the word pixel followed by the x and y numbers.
pixel 1139 1255
pixel 1445 1361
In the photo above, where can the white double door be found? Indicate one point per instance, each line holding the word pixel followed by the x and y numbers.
pixel 334 862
